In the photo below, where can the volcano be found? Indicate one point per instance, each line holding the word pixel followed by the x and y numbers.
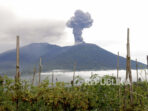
pixel 85 56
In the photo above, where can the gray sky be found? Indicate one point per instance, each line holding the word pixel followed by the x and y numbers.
pixel 44 21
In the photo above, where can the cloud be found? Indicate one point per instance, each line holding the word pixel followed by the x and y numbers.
pixel 29 30
pixel 36 31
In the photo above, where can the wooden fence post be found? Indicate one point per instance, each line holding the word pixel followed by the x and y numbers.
pixel 40 70
pixel 34 75
pixel 117 80
pixel 147 61
pixel 52 77
pixel 128 73
pixel 17 76
pixel 73 80
pixel 137 69
pixel 118 66
pixel 129 67
pixel 145 75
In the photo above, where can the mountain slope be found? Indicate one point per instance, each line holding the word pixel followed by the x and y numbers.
pixel 86 57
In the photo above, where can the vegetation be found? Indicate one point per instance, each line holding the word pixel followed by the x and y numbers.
pixel 90 96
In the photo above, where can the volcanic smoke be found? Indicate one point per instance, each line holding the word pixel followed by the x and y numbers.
pixel 78 22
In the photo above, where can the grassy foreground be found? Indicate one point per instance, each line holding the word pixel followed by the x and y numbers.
pixel 91 96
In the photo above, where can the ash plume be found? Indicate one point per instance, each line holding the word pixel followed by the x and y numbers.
pixel 78 22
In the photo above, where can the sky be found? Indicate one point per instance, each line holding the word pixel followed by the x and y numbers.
pixel 45 21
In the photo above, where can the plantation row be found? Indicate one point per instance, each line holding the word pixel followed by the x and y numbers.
pixel 92 96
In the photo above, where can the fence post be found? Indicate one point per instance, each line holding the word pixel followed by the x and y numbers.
pixel 17 76
pixel 118 66
pixel 73 80
pixel 147 61
pixel 40 70
pixel 128 73
pixel 52 77
pixel 34 75
pixel 137 69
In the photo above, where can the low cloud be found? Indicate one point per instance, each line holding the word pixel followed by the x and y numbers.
pixel 36 31
pixel 29 30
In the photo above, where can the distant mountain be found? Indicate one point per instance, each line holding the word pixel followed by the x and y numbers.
pixel 85 56
pixel 29 57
